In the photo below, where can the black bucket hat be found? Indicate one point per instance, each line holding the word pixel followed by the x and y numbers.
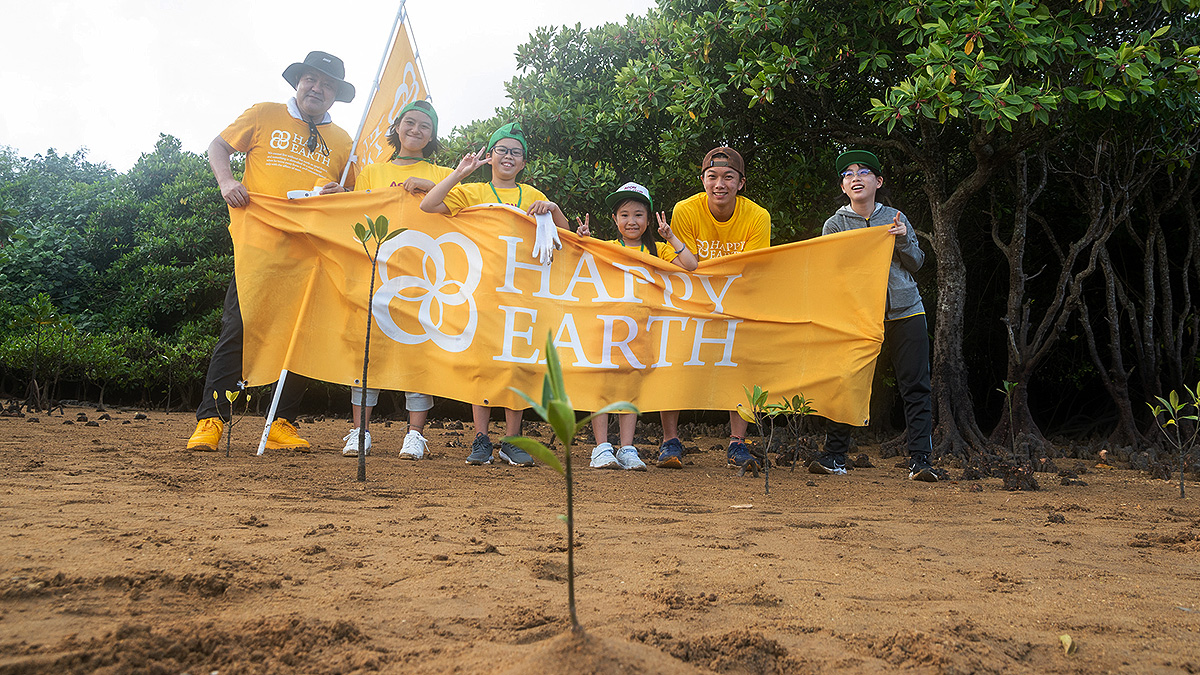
pixel 325 63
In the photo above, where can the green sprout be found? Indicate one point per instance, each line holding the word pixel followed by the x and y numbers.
pixel 556 409
pixel 1007 389
pixel 1171 427
pixel 376 229
pixel 759 412
pixel 232 396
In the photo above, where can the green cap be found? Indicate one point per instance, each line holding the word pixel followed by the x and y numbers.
pixel 629 190
pixel 423 106
pixel 510 130
pixel 863 157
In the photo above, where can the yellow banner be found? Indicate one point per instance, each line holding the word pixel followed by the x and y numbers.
pixel 399 84
pixel 461 310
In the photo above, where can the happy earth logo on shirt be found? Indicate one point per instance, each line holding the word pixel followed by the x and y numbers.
pixel 435 296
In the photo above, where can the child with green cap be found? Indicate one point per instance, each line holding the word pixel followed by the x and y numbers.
pixel 505 153
pixel 904 328
pixel 413 137
pixel 631 206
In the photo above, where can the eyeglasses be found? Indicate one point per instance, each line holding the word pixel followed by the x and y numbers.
pixel 515 153
pixel 850 173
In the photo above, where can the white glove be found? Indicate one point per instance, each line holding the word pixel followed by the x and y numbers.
pixel 546 241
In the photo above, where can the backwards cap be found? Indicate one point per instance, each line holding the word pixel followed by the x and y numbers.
pixel 510 130
pixel 629 190
pixel 420 105
pixel 724 157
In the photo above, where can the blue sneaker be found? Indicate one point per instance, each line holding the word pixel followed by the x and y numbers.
pixel 738 456
pixel 670 454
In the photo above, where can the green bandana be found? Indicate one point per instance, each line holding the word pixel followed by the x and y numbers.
pixel 511 130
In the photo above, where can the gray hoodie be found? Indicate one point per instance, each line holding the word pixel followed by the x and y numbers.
pixel 903 297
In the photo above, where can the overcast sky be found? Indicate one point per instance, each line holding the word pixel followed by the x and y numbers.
pixel 110 76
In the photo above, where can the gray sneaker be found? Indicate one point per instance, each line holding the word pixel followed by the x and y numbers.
pixel 514 455
pixel 603 457
pixel 627 456
pixel 481 450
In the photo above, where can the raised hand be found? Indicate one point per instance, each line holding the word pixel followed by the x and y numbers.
pixel 472 161
pixel 584 229
pixel 897 228
pixel 664 230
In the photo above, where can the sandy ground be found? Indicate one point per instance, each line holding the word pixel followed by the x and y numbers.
pixel 120 552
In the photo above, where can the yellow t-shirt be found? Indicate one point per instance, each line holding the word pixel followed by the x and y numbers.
pixel 277 157
pixel 379 175
pixel 748 229
pixel 664 249
pixel 469 194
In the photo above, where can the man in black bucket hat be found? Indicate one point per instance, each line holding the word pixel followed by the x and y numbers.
pixel 289 146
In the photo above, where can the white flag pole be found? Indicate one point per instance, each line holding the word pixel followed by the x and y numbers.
pixel 387 50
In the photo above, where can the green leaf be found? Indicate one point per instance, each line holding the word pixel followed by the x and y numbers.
pixel 562 420
pixel 537 407
pixel 620 406
pixel 554 370
pixel 539 451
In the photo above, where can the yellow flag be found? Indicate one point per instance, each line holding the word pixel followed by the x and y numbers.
pixel 461 310
pixel 399 85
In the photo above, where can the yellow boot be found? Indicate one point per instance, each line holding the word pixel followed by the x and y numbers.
pixel 207 436
pixel 283 436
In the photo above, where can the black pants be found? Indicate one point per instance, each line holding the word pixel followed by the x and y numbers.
pixel 908 341
pixel 225 368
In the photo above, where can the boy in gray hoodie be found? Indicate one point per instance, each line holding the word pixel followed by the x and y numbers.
pixel 904 327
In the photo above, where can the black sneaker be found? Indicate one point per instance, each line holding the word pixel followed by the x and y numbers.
pixel 481 450
pixel 829 464
pixel 514 455
pixel 920 469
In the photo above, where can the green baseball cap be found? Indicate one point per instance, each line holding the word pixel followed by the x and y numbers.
pixel 510 130
pixel 420 105
pixel 863 157
pixel 629 190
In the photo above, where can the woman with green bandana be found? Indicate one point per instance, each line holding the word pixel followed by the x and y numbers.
pixel 413 137
pixel 505 153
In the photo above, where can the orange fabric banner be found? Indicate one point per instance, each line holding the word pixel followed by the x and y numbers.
pixel 399 84
pixel 461 310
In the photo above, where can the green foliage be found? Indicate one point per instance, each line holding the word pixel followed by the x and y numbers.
pixel 555 408
pixel 1173 413
pixel 760 412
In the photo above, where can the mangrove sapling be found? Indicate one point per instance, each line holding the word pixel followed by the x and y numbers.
pixel 232 396
pixel 556 409
pixel 1173 409
pixel 376 229
pixel 760 412
pixel 1007 389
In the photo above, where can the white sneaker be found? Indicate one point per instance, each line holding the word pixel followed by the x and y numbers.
pixel 627 456
pixel 351 449
pixel 414 445
pixel 603 458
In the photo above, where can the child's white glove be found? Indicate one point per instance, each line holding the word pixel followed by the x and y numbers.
pixel 546 242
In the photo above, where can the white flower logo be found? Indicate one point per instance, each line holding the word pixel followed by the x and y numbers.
pixel 441 290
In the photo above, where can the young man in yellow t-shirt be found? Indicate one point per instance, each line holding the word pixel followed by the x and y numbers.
pixel 715 223
pixel 292 146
